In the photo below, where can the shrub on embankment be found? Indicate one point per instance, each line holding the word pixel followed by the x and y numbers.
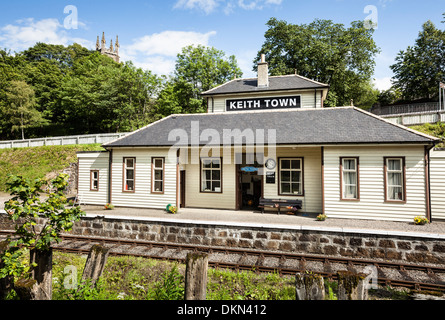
pixel 37 162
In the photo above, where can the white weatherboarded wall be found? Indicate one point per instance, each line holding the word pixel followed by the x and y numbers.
pixel 93 161
pixel 437 175
pixel 372 203
pixel 312 199
pixel 142 197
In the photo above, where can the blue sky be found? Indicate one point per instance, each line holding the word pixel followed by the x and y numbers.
pixel 151 33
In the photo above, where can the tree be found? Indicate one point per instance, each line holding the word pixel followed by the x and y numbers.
pixel 419 69
pixel 323 51
pixel 20 107
pixel 33 280
pixel 199 69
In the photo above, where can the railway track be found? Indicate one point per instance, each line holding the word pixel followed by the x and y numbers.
pixel 416 277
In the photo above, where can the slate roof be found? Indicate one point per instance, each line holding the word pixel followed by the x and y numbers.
pixel 298 127
pixel 289 82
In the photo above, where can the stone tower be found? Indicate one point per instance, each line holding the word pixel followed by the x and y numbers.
pixel 112 52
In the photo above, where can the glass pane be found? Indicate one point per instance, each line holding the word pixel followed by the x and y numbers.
pixel 350 192
pixel 130 163
pixel 285 164
pixel 216 175
pixel 207 164
pixel 285 176
pixel 296 188
pixel 296 164
pixel 158 186
pixel 130 174
pixel 349 164
pixel 216 186
pixel 207 175
pixel 285 188
pixel 158 175
pixel 95 185
pixel 159 164
pixel 296 176
pixel 395 193
pixel 207 185
pixel 394 179
pixel 216 163
pixel 395 165
pixel 95 175
pixel 350 178
pixel 130 185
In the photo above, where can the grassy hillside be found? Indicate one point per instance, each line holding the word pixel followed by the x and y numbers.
pixel 37 162
pixel 435 130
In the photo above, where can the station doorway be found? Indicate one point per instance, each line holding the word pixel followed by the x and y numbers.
pixel 250 181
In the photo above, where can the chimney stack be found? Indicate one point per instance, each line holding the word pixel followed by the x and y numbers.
pixel 263 73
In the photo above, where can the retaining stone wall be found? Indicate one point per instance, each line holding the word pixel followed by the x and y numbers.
pixel 338 244
pixel 353 245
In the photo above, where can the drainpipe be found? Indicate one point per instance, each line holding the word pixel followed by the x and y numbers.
pixel 429 214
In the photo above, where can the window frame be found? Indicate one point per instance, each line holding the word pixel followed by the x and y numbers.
pixel 342 180
pixel 280 193
pixel 92 172
pixel 153 176
pixel 402 171
pixel 124 175
pixel 201 175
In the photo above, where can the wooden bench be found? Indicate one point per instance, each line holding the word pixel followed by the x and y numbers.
pixel 278 204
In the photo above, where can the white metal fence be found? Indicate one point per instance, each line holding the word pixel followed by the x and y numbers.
pixel 413 119
pixel 62 141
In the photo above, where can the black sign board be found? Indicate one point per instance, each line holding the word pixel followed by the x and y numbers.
pixel 264 103
pixel 270 177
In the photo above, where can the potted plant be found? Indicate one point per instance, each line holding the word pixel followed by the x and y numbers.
pixel 420 221
pixel 109 206
pixel 173 209
pixel 321 217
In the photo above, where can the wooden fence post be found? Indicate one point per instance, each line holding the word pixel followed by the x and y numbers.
pixel 40 286
pixel 97 258
pixel 196 276
pixel 352 286
pixel 310 287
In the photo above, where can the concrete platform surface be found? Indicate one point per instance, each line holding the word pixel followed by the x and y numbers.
pixel 267 220
pixel 272 220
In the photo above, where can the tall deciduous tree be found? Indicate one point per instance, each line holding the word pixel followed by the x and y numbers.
pixel 20 107
pixel 419 69
pixel 324 51
pixel 198 69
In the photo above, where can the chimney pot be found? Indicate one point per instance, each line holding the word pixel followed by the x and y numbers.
pixel 263 73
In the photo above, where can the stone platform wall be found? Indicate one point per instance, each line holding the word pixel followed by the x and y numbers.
pixel 312 242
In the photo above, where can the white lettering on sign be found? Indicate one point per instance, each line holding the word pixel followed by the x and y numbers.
pixel 263 103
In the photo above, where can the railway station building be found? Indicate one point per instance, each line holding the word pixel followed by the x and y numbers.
pixel 268 138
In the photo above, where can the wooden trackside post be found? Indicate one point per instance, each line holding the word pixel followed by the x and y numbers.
pixel 94 267
pixel 310 287
pixel 196 276
pixel 352 286
pixel 39 287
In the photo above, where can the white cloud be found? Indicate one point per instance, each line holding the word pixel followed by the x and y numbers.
pixel 383 83
pixel 157 52
pixel 209 6
pixel 27 32
pixel 205 5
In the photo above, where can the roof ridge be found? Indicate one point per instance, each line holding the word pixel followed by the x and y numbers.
pixel 143 128
pixel 397 125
